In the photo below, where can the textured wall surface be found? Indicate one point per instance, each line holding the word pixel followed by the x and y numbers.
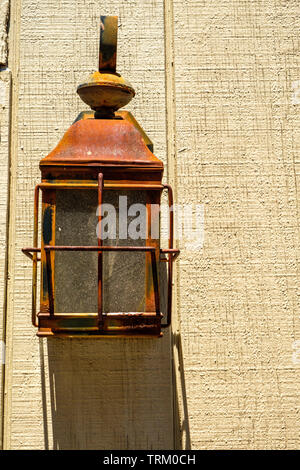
pixel 79 394
pixel 5 84
pixel 5 88
pixel 238 147
pixel 227 97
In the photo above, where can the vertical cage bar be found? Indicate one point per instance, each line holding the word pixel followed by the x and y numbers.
pixel 155 283
pixel 100 254
pixel 49 282
pixel 170 256
pixel 34 255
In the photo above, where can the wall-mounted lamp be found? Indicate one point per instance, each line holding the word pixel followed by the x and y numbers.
pixel 100 271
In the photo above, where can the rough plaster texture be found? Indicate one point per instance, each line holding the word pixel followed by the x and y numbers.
pixel 238 152
pixel 237 132
pixel 5 82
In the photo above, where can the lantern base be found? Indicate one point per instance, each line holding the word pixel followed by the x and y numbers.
pixel 100 335
pixel 87 325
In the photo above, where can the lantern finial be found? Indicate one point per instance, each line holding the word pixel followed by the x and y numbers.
pixel 106 90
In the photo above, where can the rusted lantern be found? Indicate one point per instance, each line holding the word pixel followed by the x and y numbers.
pixel 98 278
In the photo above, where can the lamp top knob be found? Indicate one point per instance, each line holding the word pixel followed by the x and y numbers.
pixel 106 91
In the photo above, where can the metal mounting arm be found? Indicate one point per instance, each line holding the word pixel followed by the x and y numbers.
pixel 108 43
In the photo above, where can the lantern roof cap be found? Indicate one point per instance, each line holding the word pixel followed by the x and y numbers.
pixel 102 142
pixel 105 136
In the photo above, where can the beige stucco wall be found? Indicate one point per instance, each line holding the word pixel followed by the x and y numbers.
pixel 238 129
pixel 5 90
pixel 222 109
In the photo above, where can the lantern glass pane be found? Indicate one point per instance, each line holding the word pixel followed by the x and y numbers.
pixel 76 273
pixel 124 272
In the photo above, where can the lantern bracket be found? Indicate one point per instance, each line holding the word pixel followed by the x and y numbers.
pixel 108 43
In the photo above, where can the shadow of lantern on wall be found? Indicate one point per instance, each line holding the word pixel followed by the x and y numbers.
pixel 95 282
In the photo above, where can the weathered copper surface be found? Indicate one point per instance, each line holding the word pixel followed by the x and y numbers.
pixel 106 92
pixel 106 142
pixel 123 114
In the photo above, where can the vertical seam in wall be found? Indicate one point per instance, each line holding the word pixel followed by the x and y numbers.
pixel 3 334
pixel 3 313
pixel 13 62
pixel 172 179
pixel 3 338
pixel 170 94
